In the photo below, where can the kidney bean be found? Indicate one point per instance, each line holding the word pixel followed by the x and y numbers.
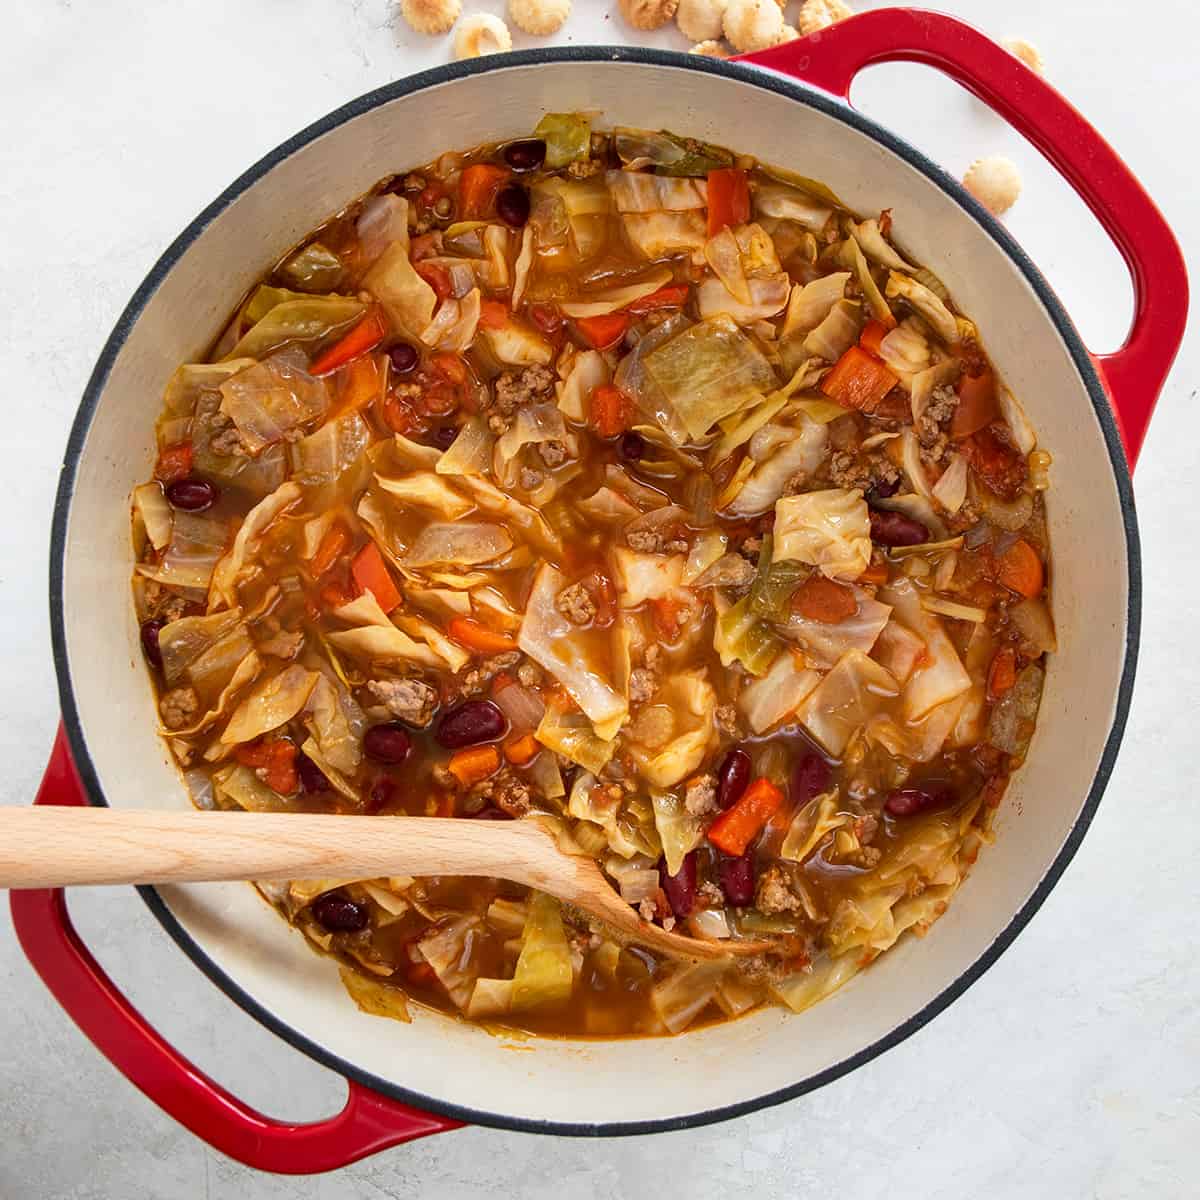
pixel 680 889
pixel 512 205
pixel 312 778
pixel 733 777
pixel 491 813
pixel 150 648
pixel 525 155
pixel 388 743
pixel 895 529
pixel 192 495
pixel 810 777
pixel 883 489
pixel 905 802
pixel 336 913
pixel 403 357
pixel 736 876
pixel 383 794
pixel 632 446
pixel 443 436
pixel 471 723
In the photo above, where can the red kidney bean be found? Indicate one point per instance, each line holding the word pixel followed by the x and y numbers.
pixel 470 724
pixel 388 743
pixel 680 889
pixel 810 777
pixel 905 802
pixel 883 489
pixel 443 436
pixel 403 357
pixel 733 777
pixel 737 879
pixel 383 794
pixel 525 155
pixel 895 529
pixel 192 495
pixel 150 648
pixel 632 446
pixel 512 205
pixel 336 913
pixel 312 778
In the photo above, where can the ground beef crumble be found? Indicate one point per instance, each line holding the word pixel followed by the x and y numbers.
pixel 513 389
pixel 727 719
pixel 179 707
pixel 576 604
pixel 775 893
pixel 700 795
pixel 477 678
pixel 412 700
pixel 643 683
pixel 508 793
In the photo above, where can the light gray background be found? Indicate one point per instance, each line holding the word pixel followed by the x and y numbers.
pixel 1069 1071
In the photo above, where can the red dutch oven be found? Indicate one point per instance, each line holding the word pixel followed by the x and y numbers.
pixel 787 106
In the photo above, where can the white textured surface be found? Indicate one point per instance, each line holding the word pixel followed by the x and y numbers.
pixel 1069 1070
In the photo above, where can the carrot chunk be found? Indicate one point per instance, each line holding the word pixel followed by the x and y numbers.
pixel 477 189
pixel 371 574
pixel 611 411
pixel 366 335
pixel 820 599
pixel 1020 569
pixel 739 825
pixel 602 333
pixel 475 636
pixel 858 380
pixel 474 764
pixel 728 199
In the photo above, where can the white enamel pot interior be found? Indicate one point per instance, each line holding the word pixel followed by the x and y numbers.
pixel 620 1086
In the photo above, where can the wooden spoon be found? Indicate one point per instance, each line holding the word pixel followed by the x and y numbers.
pixel 59 847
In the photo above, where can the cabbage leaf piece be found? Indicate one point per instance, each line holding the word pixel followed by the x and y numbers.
pixel 301 319
pixel 337 724
pixel 238 786
pixel 780 453
pixel 806 988
pixel 642 576
pixel 941 677
pixel 375 638
pixel 776 696
pixel 197 544
pixel 830 530
pixel 407 299
pixel 425 489
pixel 575 657
pixel 569 733
pixel 853 692
pixel 686 992
pixel 679 831
pixel 707 372
pixel 331 463
pixel 544 976
pixel 447 949
pixel 233 566
pixel 462 544
pixel 272 398
pixel 809 304
pixel 811 825
pixel 628 822
pixel 658 234
pixel 693 701
pixel 269 704
pixel 825 643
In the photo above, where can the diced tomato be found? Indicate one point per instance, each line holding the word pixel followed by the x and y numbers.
pixel 450 367
pixel 398 415
pixel 1002 673
pixel 673 295
pixel 602 333
pixel 820 599
pixel 728 199
pixel 611 411
pixel 436 276
pixel 667 611
pixel 426 245
pixel 1000 466
pixel 359 384
pixel 174 462
pixel 977 404
pixel 493 315
pixel 276 759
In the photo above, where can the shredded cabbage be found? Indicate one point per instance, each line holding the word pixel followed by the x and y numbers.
pixel 767 701
pixel 272 398
pixel 836 333
pixel 462 544
pixel 269 704
pixel 694 702
pixel 197 543
pixel 781 454
pixel 853 692
pixel 830 530
pixel 926 303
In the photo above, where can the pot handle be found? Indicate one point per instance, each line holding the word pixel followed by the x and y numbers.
pixel 368 1123
pixel 1132 375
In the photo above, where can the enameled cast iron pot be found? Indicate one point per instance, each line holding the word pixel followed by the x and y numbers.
pixel 1091 413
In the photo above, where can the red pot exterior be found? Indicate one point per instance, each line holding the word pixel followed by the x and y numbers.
pixel 1132 377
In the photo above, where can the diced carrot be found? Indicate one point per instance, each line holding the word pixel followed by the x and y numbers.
pixel 174 462
pixel 366 335
pixel 477 189
pixel 738 826
pixel 1020 569
pixel 492 314
pixel 522 750
pixel 436 276
pixel 277 761
pixel 360 383
pixel 977 405
pixel 474 764
pixel 872 335
pixel 728 199
pixel 1002 673
pixel 858 380
pixel 336 594
pixel 876 573
pixel 602 333
pixel 611 411
pixel 450 367
pixel 820 599
pixel 371 574
pixel 475 636
pixel 333 545
pixel 673 295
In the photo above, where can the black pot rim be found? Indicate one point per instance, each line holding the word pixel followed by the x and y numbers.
pixel 754 77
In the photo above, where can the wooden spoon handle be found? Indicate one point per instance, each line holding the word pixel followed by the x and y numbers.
pixel 48 847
